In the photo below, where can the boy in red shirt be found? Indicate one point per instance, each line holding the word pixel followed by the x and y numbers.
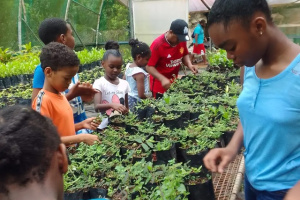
pixel 60 64
pixel 169 50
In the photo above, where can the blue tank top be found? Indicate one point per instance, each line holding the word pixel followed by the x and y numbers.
pixel 270 115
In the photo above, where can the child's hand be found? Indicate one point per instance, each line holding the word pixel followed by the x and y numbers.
pixel 91 123
pixel 89 138
pixel 85 90
pixel 119 107
pixel 166 83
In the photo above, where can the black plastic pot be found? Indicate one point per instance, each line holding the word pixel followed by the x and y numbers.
pixel 131 129
pixel 192 160
pixel 2 86
pixel 194 115
pixel 14 80
pixel 174 123
pixel 145 113
pixel 204 191
pixel 73 196
pixel 97 193
pixel 162 157
pixel 7 82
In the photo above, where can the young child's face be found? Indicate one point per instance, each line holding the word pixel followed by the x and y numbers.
pixel 243 45
pixel 142 61
pixel 62 78
pixel 112 66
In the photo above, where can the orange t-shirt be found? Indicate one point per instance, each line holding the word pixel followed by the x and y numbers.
pixel 57 108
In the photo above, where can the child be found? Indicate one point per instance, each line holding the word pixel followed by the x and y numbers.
pixel 60 64
pixel 113 91
pixel 58 30
pixel 269 105
pixel 135 74
pixel 32 158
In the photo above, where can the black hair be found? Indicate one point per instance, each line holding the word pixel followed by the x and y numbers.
pixel 51 28
pixel 57 55
pixel 111 45
pixel 27 144
pixel 224 11
pixel 139 48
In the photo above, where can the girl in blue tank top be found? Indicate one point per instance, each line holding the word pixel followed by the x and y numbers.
pixel 269 105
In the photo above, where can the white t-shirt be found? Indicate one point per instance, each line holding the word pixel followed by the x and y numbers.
pixel 111 93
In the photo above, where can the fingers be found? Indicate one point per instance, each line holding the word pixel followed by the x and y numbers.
pixel 225 161
pixel 211 160
pixel 94 126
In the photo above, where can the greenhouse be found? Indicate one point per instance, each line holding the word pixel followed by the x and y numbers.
pixel 150 99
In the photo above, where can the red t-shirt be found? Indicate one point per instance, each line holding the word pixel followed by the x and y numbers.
pixel 166 59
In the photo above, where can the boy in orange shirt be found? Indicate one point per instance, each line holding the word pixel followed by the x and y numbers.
pixel 60 64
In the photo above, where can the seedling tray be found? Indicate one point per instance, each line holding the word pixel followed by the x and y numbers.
pixel 228 184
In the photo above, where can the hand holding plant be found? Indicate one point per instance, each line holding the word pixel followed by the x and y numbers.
pixel 90 123
pixel 119 107
pixel 89 138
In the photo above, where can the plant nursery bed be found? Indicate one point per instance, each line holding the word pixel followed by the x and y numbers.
pixel 228 184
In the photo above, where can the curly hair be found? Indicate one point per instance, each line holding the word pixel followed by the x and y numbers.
pixel 139 48
pixel 27 144
pixel 57 55
pixel 224 11
pixel 51 28
pixel 111 45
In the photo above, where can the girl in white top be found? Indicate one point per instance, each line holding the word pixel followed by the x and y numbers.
pixel 136 76
pixel 113 91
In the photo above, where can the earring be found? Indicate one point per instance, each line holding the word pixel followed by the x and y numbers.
pixel 261 33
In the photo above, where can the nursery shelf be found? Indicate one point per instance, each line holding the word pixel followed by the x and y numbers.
pixel 228 183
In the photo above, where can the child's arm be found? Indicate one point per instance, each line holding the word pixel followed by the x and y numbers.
pixel 85 138
pixel 140 78
pixel 99 107
pixel 293 193
pixel 87 124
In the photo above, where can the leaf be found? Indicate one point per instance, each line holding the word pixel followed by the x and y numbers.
pixel 149 144
pixel 145 147
pixel 181 188
pixel 138 141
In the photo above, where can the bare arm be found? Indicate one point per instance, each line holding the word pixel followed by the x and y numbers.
pixel 35 92
pixel 140 78
pixel 74 139
pixel 165 82
pixel 100 107
pixel 294 193
pixel 217 159
pixel 187 62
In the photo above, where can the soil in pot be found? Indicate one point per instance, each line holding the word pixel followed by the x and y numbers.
pixel 201 191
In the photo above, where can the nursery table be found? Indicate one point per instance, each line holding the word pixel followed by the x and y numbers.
pixel 228 184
